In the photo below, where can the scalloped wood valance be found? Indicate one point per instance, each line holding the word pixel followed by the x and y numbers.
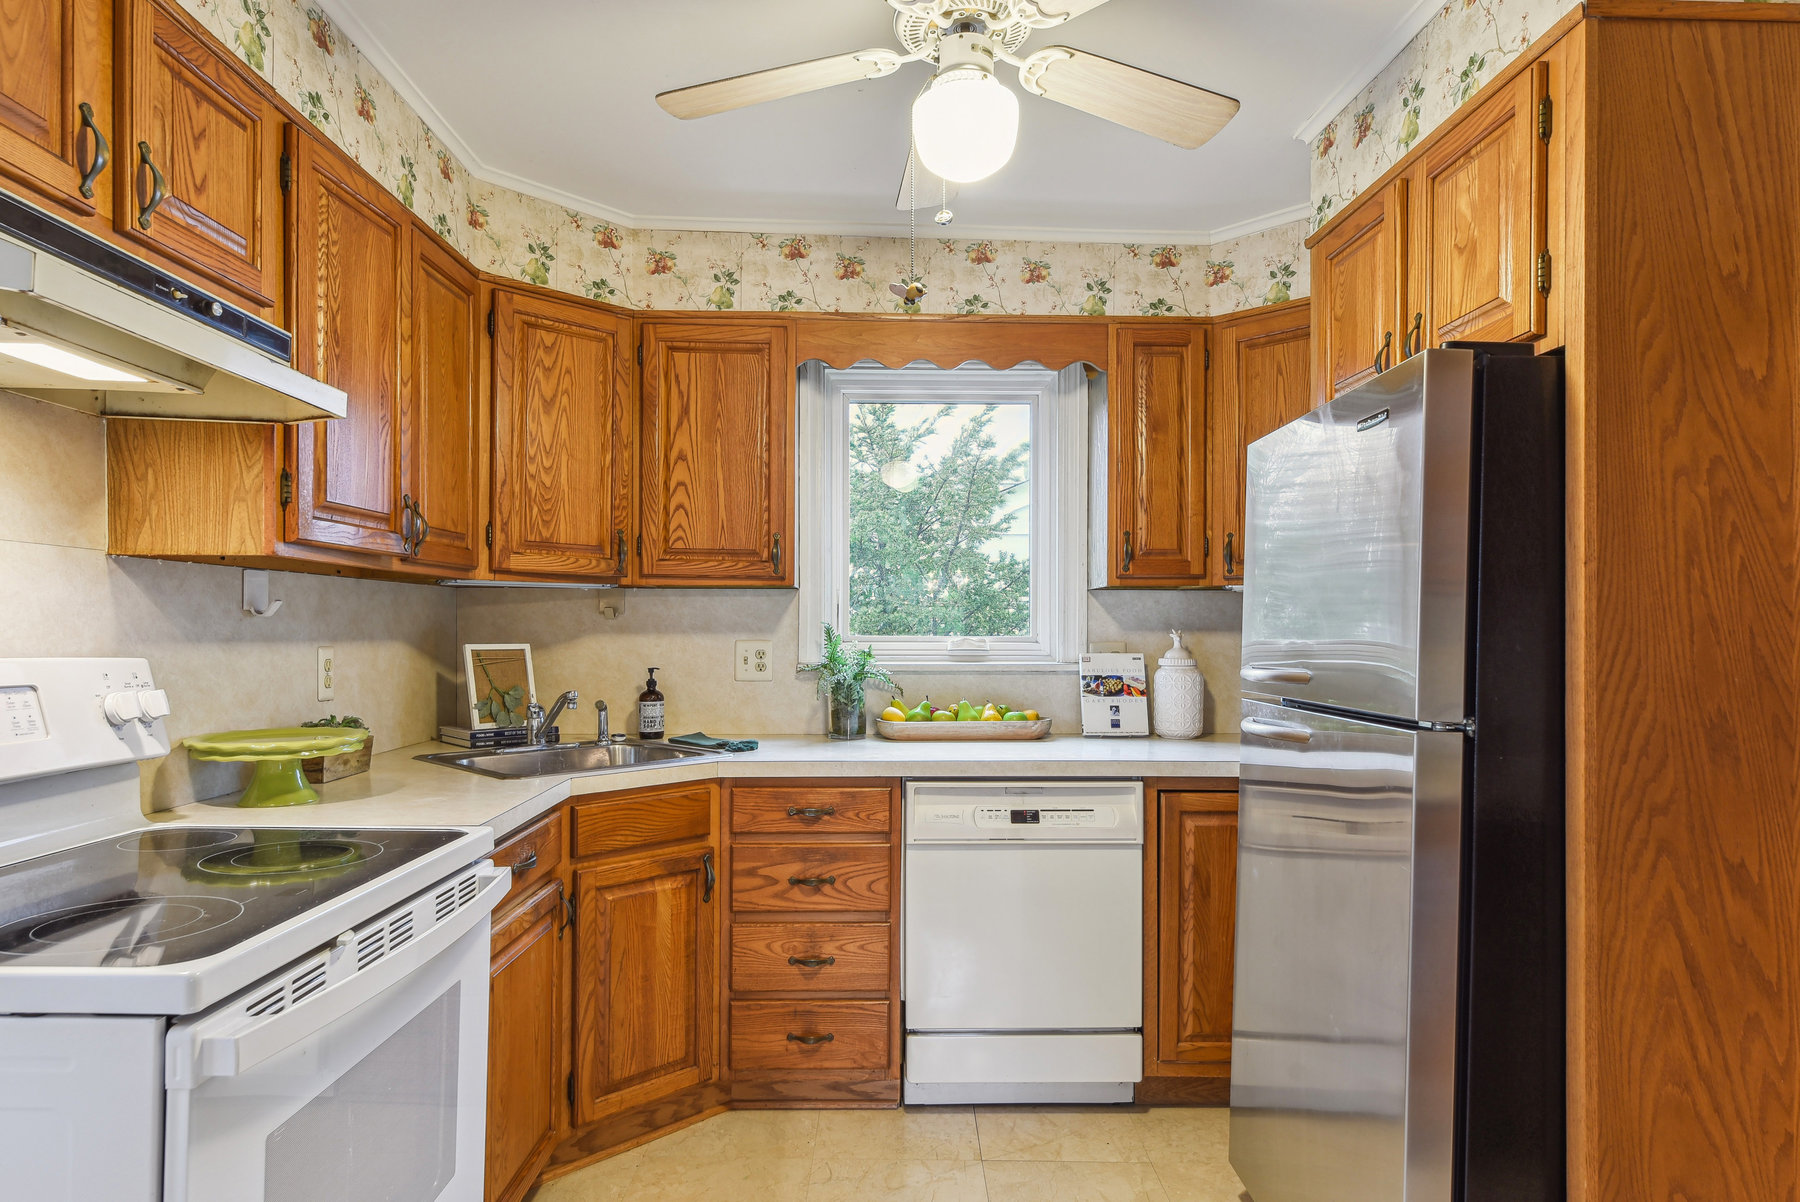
pixel 950 341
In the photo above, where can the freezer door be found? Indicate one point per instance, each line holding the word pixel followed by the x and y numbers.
pixel 1343 1051
pixel 1357 546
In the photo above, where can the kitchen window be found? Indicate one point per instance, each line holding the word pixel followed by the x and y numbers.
pixel 942 512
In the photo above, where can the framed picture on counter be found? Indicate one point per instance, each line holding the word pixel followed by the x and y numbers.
pixel 501 683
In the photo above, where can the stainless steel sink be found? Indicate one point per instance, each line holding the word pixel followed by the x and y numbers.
pixel 562 758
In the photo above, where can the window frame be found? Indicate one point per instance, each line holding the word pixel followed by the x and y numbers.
pixel 1058 486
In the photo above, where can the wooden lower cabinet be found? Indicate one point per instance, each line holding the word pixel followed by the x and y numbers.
pixel 1190 924
pixel 527 980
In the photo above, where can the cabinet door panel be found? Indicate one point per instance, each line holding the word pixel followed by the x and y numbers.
pixel 442 399
pixel 1263 380
pixel 717 477
pixel 1357 273
pixel 526 981
pixel 1479 212
pixel 1196 927
pixel 55 56
pixel 349 273
pixel 215 140
pixel 646 997
pixel 1157 435
pixel 562 438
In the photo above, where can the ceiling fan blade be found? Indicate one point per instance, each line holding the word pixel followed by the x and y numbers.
pixel 931 193
pixel 1042 14
pixel 741 91
pixel 1131 96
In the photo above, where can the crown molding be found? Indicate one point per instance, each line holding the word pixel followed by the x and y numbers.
pixel 1360 75
pixel 481 172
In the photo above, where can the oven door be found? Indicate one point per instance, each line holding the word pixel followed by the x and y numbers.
pixel 373 1087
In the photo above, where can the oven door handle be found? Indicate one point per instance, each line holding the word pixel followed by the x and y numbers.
pixel 231 1042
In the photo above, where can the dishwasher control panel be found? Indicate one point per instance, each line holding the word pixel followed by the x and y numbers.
pixel 1080 812
pixel 988 817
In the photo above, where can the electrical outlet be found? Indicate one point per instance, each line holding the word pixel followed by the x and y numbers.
pixel 327 673
pixel 752 660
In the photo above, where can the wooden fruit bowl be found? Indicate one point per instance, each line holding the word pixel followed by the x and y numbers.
pixel 962 732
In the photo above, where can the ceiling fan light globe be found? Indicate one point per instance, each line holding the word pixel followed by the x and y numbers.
pixel 965 125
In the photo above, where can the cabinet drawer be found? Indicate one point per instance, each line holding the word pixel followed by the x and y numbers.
pixel 535 854
pixel 848 811
pixel 523 911
pixel 763 956
pixel 604 826
pixel 773 1035
pixel 779 876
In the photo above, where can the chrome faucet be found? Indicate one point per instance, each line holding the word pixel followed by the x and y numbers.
pixel 605 728
pixel 537 721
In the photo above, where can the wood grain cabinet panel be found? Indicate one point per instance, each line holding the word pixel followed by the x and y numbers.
pixel 1156 429
pixel 1262 380
pixel 199 128
pixel 809 1036
pixel 810 877
pixel 349 273
pixel 1196 928
pixel 1478 201
pixel 1358 272
pixel 526 981
pixel 534 855
pixel 801 957
pixel 55 57
pixel 563 438
pixel 644 820
pixel 821 811
pixel 717 483
pixel 441 406
pixel 646 981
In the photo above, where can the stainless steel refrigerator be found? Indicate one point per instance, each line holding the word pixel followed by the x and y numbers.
pixel 1398 1013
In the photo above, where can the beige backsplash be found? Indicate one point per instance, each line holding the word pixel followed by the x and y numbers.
pixel 689 635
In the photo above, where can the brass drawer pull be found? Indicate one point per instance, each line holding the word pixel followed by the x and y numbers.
pixel 158 187
pixel 812 961
pixel 811 811
pixel 813 882
pixel 811 1041
pixel 1125 562
pixel 526 863
pixel 102 151
pixel 712 877
pixel 422 526
pixel 621 550
pixel 1230 554
pixel 775 558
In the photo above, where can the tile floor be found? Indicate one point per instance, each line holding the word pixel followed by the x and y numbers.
pixel 928 1154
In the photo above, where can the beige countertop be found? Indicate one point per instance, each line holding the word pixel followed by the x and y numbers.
pixel 400 791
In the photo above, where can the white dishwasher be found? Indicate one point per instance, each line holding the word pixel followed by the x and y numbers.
pixel 1023 941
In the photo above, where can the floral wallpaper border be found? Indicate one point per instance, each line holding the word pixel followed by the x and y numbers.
pixel 297 47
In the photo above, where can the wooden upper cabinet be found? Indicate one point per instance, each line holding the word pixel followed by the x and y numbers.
pixel 1262 380
pixel 56 102
pixel 716 482
pixel 562 438
pixel 198 176
pixel 1358 273
pixel 1196 929
pixel 1156 432
pixel 349 269
pixel 646 981
pixel 527 976
pixel 441 425
pixel 1479 222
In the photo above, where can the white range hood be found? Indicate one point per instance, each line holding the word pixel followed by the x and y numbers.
pixel 86 325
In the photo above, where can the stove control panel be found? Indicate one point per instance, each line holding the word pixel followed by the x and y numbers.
pixel 21 714
pixel 144 705
pixel 65 715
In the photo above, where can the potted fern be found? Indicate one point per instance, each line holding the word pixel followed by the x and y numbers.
pixel 843 676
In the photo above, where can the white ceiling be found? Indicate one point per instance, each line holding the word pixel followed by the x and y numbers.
pixel 556 98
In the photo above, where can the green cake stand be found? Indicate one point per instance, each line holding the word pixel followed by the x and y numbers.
pixel 276 778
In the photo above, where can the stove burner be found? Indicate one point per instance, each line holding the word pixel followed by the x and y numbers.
pixel 287 857
pixel 175 840
pixel 120 924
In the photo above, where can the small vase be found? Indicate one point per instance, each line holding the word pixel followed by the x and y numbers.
pixel 846 719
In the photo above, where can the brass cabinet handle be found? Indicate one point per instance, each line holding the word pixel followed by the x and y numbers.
pixel 102 150
pixel 812 961
pixel 811 1041
pixel 621 548
pixel 813 882
pixel 712 877
pixel 568 905
pixel 777 555
pixel 158 187
pixel 406 523
pixel 811 811
pixel 1230 555
pixel 526 863
pixel 424 527
pixel 1381 354
pixel 1415 337
pixel 1125 563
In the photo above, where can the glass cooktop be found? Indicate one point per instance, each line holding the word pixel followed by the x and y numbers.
pixel 174 894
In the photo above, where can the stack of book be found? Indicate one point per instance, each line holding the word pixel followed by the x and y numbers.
pixel 489 736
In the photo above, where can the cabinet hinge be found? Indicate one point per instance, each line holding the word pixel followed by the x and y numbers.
pixel 287 172
pixel 1545 109
pixel 640 354
pixel 1205 550
pixel 490 534
pixel 287 488
pixel 640 549
pixel 569 1088
pixel 1543 272
pixel 490 323
pixel 1206 359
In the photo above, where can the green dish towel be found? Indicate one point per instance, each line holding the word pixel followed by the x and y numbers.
pixel 705 742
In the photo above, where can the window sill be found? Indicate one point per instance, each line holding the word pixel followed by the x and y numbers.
pixel 942 667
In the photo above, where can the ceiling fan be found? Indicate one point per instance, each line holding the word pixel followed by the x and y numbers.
pixel 965 122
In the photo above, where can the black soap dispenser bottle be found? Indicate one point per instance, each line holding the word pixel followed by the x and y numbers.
pixel 650 710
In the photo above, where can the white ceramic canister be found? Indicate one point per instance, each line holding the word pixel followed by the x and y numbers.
pixel 1178 694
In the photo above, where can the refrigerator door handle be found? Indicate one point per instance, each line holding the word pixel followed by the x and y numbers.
pixel 1259 674
pixel 1281 732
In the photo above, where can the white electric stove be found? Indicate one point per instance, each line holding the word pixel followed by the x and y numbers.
pixel 211 1013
